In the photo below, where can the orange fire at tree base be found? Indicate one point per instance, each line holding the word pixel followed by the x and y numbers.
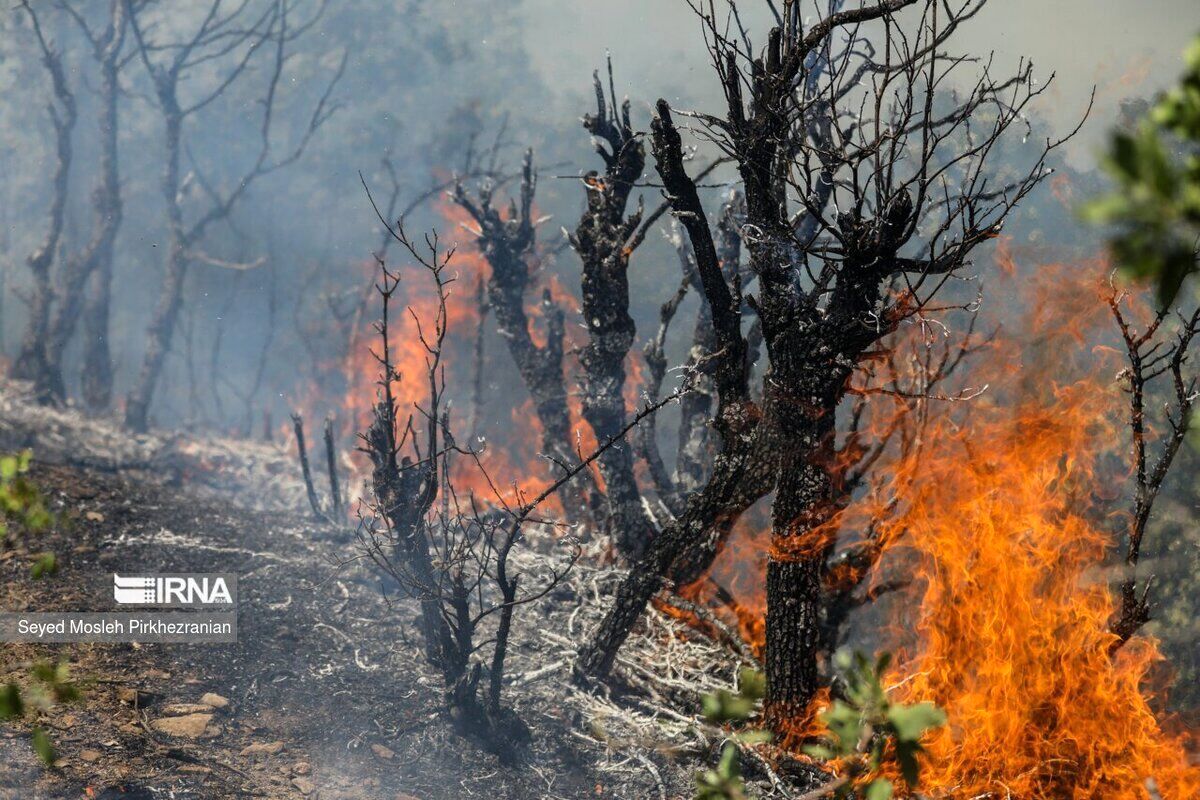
pixel 1004 519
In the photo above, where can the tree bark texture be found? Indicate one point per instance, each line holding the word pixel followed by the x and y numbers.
pixel 601 241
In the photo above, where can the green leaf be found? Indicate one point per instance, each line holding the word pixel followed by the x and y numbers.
pixel 754 737
pixel 45 564
pixel 1156 205
pixel 879 789
pixel 10 702
pixel 820 752
pixel 42 746
pixel 911 722
pixel 846 725
pixel 752 684
pixel 43 671
pixel 724 706
pixel 728 764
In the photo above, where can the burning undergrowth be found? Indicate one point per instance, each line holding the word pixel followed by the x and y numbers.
pixel 995 512
pixel 1006 527
pixel 1002 527
pixel 487 412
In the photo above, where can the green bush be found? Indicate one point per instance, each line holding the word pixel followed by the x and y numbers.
pixel 869 734
pixel 50 684
pixel 23 504
pixel 1156 206
pixel 868 731
pixel 724 781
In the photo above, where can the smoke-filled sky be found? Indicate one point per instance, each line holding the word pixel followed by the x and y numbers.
pixel 423 77
pixel 1122 47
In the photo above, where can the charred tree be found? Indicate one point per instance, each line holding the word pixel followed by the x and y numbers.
pixel 89 271
pixel 604 240
pixel 695 444
pixel 693 454
pixel 737 419
pixel 856 181
pixel 654 353
pixel 96 374
pixel 1160 350
pixel 507 242
pixel 31 360
pixel 453 557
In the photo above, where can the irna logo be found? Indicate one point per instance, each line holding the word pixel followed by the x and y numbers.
pixel 173 590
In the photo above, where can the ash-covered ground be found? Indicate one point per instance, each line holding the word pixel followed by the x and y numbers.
pixel 326 693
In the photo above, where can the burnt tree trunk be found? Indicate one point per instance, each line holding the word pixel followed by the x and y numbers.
pixel 171 65
pixel 694 451
pixel 696 446
pixel 804 505
pixel 874 206
pixel 90 270
pixel 506 243
pixel 737 419
pixel 601 239
pixel 760 456
pixel 30 363
pixel 96 377
pixel 728 493
pixel 170 298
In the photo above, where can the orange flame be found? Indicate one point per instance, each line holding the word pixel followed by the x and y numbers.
pixel 1004 518
pixel 1003 515
pixel 509 453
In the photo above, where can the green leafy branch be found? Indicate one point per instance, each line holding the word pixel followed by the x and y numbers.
pixel 1156 206
pixel 869 732
pixel 23 504
pixel 724 781
pixel 51 684
pixel 870 735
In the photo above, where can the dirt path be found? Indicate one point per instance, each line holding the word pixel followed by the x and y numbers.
pixel 327 694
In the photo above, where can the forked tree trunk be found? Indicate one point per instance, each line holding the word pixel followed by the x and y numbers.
pixel 612 331
pixel 726 495
pixel 89 271
pixel 30 363
pixel 603 239
pixel 505 243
